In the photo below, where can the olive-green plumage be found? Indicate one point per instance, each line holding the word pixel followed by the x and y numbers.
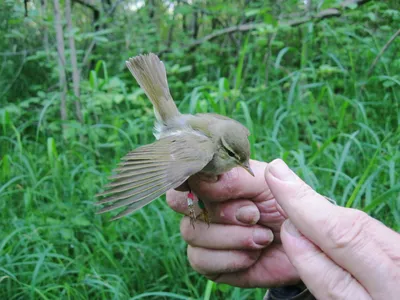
pixel 186 145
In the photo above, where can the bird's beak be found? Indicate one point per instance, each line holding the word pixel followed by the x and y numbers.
pixel 246 166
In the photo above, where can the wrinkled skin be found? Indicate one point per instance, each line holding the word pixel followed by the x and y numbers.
pixel 237 202
pixel 275 230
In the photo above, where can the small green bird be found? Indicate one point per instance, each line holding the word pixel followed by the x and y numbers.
pixel 186 144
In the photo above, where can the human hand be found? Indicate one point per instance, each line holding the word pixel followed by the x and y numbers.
pixel 339 253
pixel 242 245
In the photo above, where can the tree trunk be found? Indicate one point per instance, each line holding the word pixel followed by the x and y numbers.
pixel 61 62
pixel 96 24
pixel 151 8
pixel 43 8
pixel 74 63
pixel 195 25
pixel 171 31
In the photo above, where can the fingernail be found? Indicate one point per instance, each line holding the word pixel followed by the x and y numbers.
pixel 248 214
pixel 291 229
pixel 280 170
pixel 262 236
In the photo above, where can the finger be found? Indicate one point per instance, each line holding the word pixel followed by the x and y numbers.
pixel 273 268
pixel 271 216
pixel 388 240
pixel 208 262
pixel 225 237
pixel 324 278
pixel 235 184
pixel 345 235
pixel 177 201
pixel 184 187
pixel 236 212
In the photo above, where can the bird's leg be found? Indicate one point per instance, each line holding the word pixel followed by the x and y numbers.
pixel 204 212
pixel 192 214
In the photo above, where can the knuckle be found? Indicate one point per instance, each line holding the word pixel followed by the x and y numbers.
pixel 264 195
pixel 248 242
pixel 347 229
pixel 304 192
pixel 231 186
pixel 338 284
pixel 244 260
pixel 393 272
pixel 221 212
pixel 307 258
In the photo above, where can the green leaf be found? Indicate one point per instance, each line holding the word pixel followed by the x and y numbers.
pixel 93 79
pixel 66 233
pixel 252 12
pixel 352 6
pixel 270 19
pixel 118 98
pixel 81 221
pixel 224 288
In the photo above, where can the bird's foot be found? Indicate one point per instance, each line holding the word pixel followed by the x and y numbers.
pixel 204 212
pixel 192 213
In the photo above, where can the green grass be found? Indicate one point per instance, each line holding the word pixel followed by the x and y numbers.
pixel 53 244
pixel 336 128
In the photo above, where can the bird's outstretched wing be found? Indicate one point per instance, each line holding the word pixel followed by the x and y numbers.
pixel 149 171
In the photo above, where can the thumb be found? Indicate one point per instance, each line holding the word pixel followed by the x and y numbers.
pixel 297 199
pixel 313 266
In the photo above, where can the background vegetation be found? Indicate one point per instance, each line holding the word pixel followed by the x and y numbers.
pixel 312 80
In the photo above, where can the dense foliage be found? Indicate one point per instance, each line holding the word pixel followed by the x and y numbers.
pixel 309 91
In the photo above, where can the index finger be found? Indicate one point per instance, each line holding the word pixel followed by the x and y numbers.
pixel 345 235
pixel 235 184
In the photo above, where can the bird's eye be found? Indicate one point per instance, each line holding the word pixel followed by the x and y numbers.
pixel 230 153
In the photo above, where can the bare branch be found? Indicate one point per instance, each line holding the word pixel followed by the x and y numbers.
pixel 214 35
pixel 267 55
pixel 384 48
pixel 43 8
pixel 113 7
pixel 23 52
pixel 26 8
pixel 87 4
pixel 13 80
pixel 87 54
pixel 93 43
pixel 324 14
pixel 74 63
pixel 61 61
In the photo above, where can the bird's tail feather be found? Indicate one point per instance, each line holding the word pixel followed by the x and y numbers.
pixel 150 73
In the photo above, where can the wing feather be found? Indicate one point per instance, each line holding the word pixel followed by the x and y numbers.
pixel 149 171
pixel 151 192
pixel 145 181
pixel 131 171
pixel 139 204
